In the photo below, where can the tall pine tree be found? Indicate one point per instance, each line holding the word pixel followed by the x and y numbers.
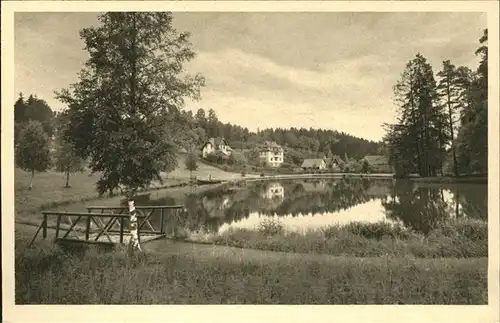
pixel 418 140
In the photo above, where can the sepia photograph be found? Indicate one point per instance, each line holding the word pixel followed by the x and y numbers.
pixel 251 157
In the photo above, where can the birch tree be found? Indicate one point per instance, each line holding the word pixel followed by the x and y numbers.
pixel 132 82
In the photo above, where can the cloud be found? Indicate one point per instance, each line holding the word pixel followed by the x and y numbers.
pixel 331 70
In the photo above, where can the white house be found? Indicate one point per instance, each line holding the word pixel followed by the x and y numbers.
pixel 271 153
pixel 216 144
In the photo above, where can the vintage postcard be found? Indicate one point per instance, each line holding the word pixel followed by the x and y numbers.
pixel 319 157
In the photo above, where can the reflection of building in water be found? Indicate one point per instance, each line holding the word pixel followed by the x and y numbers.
pixel 315 186
pixel 215 207
pixel 274 191
pixel 378 190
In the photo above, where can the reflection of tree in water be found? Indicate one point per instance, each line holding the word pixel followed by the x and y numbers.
pixel 417 207
pixel 421 208
pixel 335 196
pixel 473 199
pixel 210 211
pixel 198 217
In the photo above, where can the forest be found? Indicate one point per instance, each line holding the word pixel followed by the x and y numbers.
pixel 442 126
pixel 189 131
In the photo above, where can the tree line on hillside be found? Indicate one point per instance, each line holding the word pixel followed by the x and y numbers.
pixel 193 130
pixel 442 123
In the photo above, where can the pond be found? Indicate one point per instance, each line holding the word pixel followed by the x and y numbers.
pixel 301 205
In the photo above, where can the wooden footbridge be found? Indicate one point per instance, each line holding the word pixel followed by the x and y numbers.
pixel 108 225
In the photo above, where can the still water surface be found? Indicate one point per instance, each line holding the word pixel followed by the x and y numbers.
pixel 301 205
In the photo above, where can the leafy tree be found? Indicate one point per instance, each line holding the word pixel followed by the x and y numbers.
pixel 132 82
pixel 218 157
pixel 67 160
pixel 191 162
pixel 200 118
pixel 237 159
pixel 352 167
pixel 212 124
pixel 37 109
pixel 293 157
pixel 33 151
pixel 32 109
pixel 66 157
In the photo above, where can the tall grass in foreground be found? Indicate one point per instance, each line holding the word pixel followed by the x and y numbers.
pixel 461 238
pixel 48 275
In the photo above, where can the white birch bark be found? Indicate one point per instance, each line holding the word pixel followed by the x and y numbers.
pixel 134 236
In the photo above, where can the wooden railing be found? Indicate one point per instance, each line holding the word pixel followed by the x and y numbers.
pixel 112 223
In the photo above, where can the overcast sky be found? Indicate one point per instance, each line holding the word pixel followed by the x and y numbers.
pixel 320 70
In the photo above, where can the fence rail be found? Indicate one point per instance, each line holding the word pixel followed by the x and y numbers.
pixel 110 223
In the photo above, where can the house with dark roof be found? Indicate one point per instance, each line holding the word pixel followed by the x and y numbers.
pixel 378 163
pixel 334 162
pixel 214 145
pixel 315 163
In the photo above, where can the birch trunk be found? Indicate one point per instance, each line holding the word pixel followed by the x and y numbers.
pixel 31 179
pixel 134 234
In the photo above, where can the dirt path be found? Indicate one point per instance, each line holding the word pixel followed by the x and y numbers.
pixel 205 252
pixel 238 255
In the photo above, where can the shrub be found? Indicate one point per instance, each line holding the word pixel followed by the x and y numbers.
pixel 237 158
pixel 471 229
pixel 261 174
pixel 270 226
pixel 366 167
pixel 377 230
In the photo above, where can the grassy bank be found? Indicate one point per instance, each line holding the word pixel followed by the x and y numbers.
pixel 48 275
pixel 457 238
pixel 483 179
pixel 49 192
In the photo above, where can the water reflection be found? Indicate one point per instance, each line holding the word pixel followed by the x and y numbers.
pixel 305 204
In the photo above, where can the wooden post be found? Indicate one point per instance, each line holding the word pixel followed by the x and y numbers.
pixel 162 229
pixel 57 225
pixel 87 227
pixel 138 234
pixel 36 234
pixel 44 225
pixel 121 229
